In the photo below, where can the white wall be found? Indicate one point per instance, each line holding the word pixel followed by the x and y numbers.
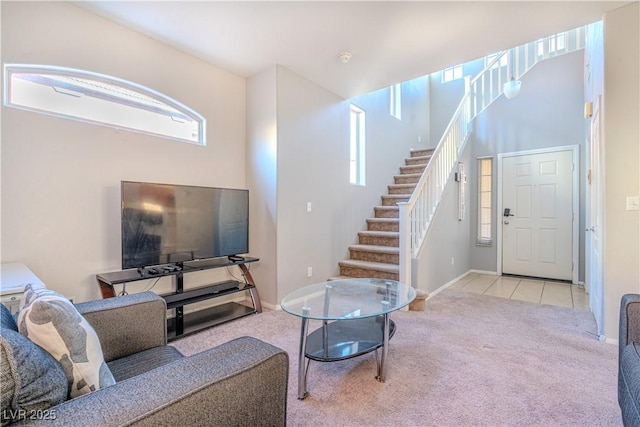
pixel 313 166
pixel 448 238
pixel 548 112
pixel 61 179
pixel 444 98
pixel 311 139
pixel 262 180
pixel 621 127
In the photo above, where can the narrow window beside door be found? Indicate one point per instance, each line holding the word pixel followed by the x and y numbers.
pixel 485 172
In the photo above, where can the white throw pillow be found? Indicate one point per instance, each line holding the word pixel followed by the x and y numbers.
pixel 51 321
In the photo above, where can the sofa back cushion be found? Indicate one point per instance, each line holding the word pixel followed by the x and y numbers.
pixel 30 378
pixel 51 321
pixel 6 319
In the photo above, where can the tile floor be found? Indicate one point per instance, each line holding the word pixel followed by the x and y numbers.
pixel 538 291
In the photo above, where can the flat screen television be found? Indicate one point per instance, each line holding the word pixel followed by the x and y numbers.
pixel 173 224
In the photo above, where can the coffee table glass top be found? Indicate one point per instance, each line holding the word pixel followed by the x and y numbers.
pixel 348 299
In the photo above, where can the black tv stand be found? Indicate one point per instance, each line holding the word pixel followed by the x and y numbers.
pixel 185 323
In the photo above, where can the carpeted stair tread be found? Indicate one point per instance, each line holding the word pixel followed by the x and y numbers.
pixel 419 152
pixel 392 199
pixel 407 178
pixel 418 160
pixel 401 188
pixel 412 169
pixel 379 233
pixel 368 265
pixel 385 220
pixel 387 211
pixel 376 248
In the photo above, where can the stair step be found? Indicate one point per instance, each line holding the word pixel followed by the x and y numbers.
pixel 383 224
pixel 412 169
pixel 419 152
pixel 373 253
pixel 407 178
pixel 392 199
pixel 401 188
pixel 379 270
pixel 375 248
pixel 386 211
pixel 422 160
pixel 379 238
pixel 338 278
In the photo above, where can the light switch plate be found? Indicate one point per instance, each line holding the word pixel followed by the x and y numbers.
pixel 633 203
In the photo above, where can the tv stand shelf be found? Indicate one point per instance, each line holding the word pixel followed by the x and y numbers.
pixel 185 323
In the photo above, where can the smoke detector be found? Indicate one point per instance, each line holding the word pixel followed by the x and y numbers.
pixel 344 57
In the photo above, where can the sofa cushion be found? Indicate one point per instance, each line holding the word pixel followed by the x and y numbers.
pixel 144 361
pixel 6 319
pixel 51 321
pixel 30 378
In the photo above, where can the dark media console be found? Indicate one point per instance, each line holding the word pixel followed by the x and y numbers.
pixel 181 323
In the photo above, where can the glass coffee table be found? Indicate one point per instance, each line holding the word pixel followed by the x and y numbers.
pixel 355 320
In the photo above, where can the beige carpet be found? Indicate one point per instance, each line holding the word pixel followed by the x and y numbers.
pixel 467 360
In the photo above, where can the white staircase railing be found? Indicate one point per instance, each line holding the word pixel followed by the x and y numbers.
pixel 416 214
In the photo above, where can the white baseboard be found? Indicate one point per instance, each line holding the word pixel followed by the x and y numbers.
pixel 446 285
pixel 271 306
pixel 490 273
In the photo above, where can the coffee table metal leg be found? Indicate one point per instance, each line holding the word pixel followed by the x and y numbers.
pixel 385 349
pixel 302 371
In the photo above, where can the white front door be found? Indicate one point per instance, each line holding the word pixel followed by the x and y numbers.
pixel 537 215
pixel 594 270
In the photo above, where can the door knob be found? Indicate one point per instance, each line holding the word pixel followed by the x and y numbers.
pixel 506 221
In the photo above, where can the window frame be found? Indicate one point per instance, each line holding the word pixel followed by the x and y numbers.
pixel 148 100
pixel 456 73
pixel 481 238
pixel 395 100
pixel 503 62
pixel 357 131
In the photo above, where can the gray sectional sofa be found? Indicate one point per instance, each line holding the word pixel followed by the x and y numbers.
pixel 629 360
pixel 242 382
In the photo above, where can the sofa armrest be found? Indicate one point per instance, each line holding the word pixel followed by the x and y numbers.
pixel 629 319
pixel 240 383
pixel 127 324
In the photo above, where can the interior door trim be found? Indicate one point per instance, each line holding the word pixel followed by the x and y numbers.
pixel 575 149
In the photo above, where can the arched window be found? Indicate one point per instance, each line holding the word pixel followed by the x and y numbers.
pixel 100 99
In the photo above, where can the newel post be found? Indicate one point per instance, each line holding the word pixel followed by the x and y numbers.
pixel 404 217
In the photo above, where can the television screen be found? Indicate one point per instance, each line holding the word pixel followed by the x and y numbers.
pixel 165 224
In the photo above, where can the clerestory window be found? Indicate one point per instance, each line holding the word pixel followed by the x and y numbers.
pixel 395 101
pixel 100 99
pixel 555 43
pixel 502 62
pixel 452 73
pixel 356 146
